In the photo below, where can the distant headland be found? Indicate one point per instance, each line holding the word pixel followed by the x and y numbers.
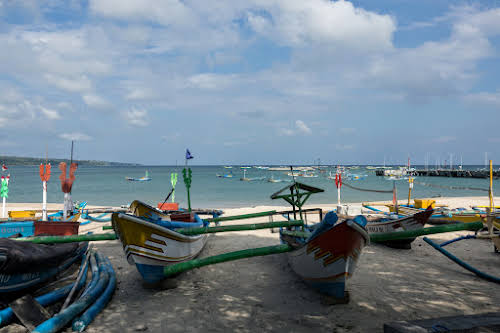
pixel 17 160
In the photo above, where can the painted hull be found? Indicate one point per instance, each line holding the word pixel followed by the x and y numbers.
pixel 453 217
pixel 13 282
pixel 413 222
pixel 141 209
pixel 151 247
pixel 329 259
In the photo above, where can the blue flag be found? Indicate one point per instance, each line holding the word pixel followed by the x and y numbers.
pixel 188 155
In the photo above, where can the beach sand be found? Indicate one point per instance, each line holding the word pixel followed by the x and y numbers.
pixel 262 294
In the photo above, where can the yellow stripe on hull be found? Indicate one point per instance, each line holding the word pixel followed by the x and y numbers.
pixel 141 239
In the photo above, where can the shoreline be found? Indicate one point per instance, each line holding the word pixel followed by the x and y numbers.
pixel 263 294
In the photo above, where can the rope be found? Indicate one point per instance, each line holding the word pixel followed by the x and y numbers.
pixel 451 187
pixel 366 189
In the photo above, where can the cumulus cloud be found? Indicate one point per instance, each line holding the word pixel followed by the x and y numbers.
pixel 76 136
pixel 50 114
pixel 299 128
pixel 95 101
pixel 137 117
pixel 302 127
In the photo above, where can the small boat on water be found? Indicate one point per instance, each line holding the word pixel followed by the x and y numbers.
pixel 24 265
pixel 325 256
pixel 227 175
pixel 142 179
pixel 274 180
pixel 228 167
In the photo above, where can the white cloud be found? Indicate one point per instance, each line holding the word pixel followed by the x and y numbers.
pixel 138 117
pixel 484 98
pixel 95 101
pixel 210 81
pixel 75 136
pixel 50 114
pixel 302 127
pixel 72 84
pixel 299 128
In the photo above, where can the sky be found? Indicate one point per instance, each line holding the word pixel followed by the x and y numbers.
pixel 251 82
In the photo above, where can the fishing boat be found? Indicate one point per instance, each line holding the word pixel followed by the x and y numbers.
pixel 326 256
pixel 274 180
pixel 227 167
pixel 309 175
pixel 227 175
pixel 416 221
pixel 154 245
pixel 24 265
pixel 142 179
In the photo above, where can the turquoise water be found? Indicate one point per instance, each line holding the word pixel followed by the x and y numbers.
pixel 107 186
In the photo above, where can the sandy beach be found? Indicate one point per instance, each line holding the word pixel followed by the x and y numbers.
pixel 262 294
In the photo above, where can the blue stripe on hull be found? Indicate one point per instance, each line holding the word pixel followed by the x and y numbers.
pixel 335 289
pixel 150 273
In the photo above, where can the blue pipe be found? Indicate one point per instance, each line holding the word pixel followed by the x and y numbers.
pixel 80 324
pixel 99 218
pixel 462 263
pixel 95 276
pixel 374 209
pixel 7 315
pixel 57 322
pixel 457 239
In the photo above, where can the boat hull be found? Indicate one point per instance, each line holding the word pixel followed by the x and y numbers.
pixel 413 222
pixel 329 259
pixel 151 247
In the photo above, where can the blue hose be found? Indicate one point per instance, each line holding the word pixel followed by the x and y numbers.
pixel 57 322
pixel 99 218
pixel 462 263
pixel 80 324
pixel 7 315
pixel 457 239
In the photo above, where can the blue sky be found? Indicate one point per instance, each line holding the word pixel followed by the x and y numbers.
pixel 241 82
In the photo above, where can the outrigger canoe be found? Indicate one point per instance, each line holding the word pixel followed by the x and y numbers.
pixel 412 222
pixel 154 245
pixel 327 257
pixel 24 265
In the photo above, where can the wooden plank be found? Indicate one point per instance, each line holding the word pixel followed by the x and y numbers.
pixel 29 312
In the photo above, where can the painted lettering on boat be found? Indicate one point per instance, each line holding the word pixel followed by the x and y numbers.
pixel 30 276
pixel 4 278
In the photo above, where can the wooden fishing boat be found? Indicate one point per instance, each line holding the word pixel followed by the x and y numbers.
pixel 327 257
pixel 151 245
pixel 142 179
pixel 24 265
pixel 412 222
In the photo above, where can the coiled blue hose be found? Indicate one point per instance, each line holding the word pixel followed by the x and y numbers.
pixel 80 324
pixel 57 322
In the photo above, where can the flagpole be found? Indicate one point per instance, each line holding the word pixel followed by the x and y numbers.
pixel 186 174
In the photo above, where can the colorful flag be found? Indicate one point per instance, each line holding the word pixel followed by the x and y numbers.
pixel 4 167
pixel 188 155
pixel 338 180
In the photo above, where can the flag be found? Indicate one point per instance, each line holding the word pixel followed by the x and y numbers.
pixel 338 180
pixel 188 155
pixel 4 167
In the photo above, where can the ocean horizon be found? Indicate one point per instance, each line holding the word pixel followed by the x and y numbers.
pixel 107 186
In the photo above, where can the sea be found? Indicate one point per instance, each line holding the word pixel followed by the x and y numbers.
pixel 107 186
